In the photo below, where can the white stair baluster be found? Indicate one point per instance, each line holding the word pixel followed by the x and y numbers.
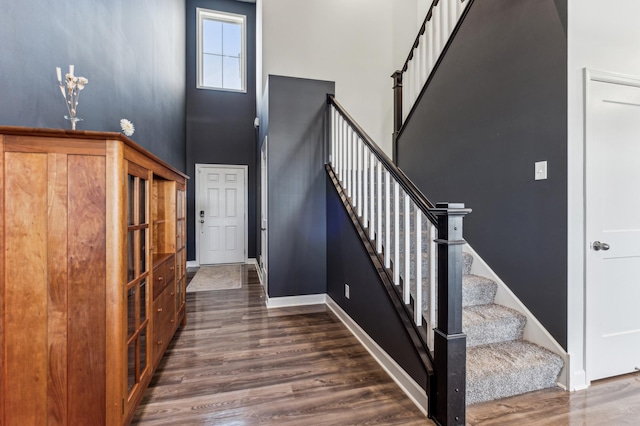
pixel 453 15
pixel 430 47
pixel 387 219
pixel 407 252
pixel 345 159
pixel 432 283
pixel 418 298
pixel 460 5
pixel 355 169
pixel 416 72
pixel 342 132
pixel 332 150
pixel 354 163
pixel 436 33
pixel 396 233
pixel 365 186
pixel 338 145
pixel 443 22
pixel 424 60
pixel 350 163
pixel 379 206
pixel 360 149
pixel 408 81
pixel 372 196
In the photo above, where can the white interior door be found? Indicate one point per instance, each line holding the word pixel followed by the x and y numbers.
pixel 221 214
pixel 613 226
pixel 263 214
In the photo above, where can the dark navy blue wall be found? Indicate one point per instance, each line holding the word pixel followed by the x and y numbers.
pixel 132 52
pixel 220 124
pixel 297 213
pixel 369 304
pixel 496 105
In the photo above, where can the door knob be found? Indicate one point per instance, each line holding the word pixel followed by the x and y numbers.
pixel 597 245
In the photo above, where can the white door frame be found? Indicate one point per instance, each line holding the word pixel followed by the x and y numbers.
pixel 196 213
pixel 590 77
pixel 264 214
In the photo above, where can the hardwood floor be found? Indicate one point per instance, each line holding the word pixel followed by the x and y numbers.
pixel 610 402
pixel 237 363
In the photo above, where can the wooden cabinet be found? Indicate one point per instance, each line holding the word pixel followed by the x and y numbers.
pixel 92 274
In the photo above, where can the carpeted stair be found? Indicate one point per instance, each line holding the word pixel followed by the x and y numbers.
pixel 499 362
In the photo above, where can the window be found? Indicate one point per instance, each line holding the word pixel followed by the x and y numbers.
pixel 221 51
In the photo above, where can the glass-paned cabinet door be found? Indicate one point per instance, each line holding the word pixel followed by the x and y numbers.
pixel 137 277
pixel 181 252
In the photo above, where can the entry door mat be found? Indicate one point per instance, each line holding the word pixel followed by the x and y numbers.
pixel 218 277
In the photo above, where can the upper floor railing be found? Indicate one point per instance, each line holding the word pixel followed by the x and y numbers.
pixel 436 33
pixel 420 246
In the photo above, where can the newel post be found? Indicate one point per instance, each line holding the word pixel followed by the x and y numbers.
pixel 397 111
pixel 450 343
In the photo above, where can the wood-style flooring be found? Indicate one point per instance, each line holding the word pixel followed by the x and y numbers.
pixel 237 363
pixel 610 402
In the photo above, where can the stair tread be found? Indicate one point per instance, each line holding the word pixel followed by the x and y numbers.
pixel 504 369
pixel 484 324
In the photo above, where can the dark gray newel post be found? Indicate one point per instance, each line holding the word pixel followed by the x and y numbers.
pixel 450 343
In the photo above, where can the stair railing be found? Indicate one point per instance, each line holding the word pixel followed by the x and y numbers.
pixel 394 213
pixel 438 29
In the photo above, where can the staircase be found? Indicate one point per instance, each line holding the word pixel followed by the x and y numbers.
pixel 418 246
pixel 499 362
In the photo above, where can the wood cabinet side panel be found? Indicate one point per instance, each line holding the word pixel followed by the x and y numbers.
pixel 3 390
pixel 25 286
pixel 57 288
pixel 115 281
pixel 87 265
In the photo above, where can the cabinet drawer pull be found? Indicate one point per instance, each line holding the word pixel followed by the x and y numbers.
pixel 172 321
pixel 159 309
pixel 171 268
pixel 159 342
pixel 171 294
pixel 160 278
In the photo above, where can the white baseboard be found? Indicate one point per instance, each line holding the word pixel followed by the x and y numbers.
pixel 195 264
pixel 309 299
pixel 397 373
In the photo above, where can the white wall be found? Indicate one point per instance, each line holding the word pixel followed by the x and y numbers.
pixel 603 37
pixel 350 42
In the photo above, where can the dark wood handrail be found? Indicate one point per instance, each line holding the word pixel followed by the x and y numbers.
pixel 423 28
pixel 409 187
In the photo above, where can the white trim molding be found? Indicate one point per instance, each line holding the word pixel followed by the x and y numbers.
pixel 409 386
pixel 287 301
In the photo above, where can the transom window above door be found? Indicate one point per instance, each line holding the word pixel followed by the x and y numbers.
pixel 221 50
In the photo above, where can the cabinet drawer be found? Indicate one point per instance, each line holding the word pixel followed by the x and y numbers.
pixel 164 307
pixel 163 276
pixel 164 321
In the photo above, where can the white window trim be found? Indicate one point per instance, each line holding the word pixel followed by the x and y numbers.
pixel 202 14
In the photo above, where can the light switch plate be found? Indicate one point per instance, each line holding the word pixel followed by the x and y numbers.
pixel 541 170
